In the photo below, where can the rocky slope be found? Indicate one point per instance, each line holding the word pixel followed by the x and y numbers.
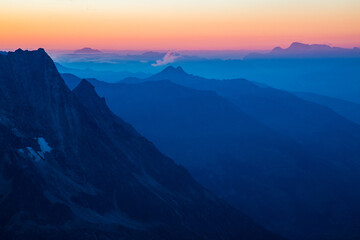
pixel 70 169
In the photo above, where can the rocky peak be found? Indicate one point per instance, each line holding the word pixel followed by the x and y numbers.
pixel 170 73
pixel 87 95
pixel 173 70
pixel 96 179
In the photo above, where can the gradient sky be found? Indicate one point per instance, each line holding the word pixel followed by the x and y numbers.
pixel 181 24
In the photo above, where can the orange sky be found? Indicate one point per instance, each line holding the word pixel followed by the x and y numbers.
pixel 160 24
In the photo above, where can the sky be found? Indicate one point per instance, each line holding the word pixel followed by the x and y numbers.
pixel 177 25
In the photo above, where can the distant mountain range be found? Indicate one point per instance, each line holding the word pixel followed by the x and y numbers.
pixel 297 49
pixel 336 77
pixel 107 76
pixel 317 68
pixel 347 109
pixel 152 55
pixel 87 51
pixel 71 169
pixel 291 164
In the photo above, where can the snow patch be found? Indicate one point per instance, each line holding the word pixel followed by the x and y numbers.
pixel 37 155
pixel 44 146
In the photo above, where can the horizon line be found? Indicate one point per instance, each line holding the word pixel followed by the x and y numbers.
pixel 110 50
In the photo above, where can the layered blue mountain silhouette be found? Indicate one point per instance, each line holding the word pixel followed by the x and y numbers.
pixel 87 50
pixel 289 163
pixel 314 68
pixel 318 69
pixel 71 169
pixel 347 109
pixel 297 49
pixel 107 76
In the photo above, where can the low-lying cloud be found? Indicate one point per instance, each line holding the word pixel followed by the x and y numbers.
pixel 170 57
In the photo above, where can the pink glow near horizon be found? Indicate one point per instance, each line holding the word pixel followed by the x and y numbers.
pixel 185 25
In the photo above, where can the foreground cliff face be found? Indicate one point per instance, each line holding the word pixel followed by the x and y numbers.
pixel 70 169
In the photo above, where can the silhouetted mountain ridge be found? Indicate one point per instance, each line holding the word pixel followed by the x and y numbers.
pixel 109 76
pixel 297 50
pixel 252 142
pixel 87 50
pixel 71 169
pixel 347 109
pixel 296 46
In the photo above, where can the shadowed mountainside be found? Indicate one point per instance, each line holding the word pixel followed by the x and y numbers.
pixel 300 50
pixel 71 169
pixel 347 109
pixel 289 163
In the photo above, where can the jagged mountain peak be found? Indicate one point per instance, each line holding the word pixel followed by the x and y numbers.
pixel 85 85
pixel 299 50
pixel 86 92
pixel 180 69
pixel 303 46
pixel 173 70
pixel 299 47
pixel 99 179
pixel 170 72
pixel 34 60
pixel 33 73
pixel 39 50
